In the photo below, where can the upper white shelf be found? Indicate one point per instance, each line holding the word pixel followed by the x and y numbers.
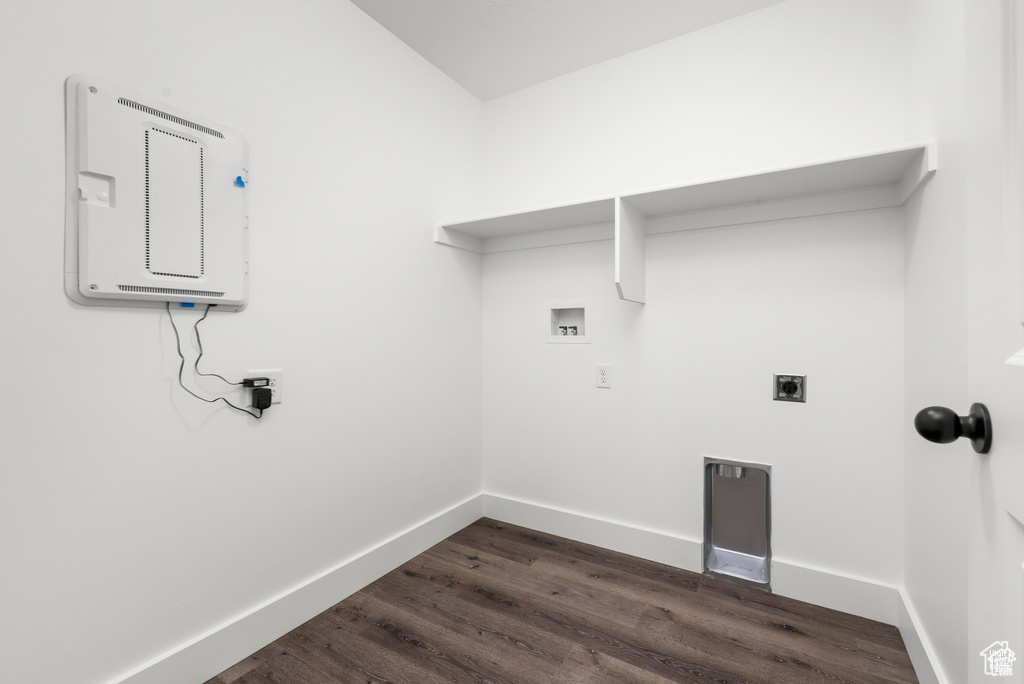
pixel 868 181
pixel 875 180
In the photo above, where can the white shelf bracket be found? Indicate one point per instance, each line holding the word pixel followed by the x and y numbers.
pixel 630 252
pixel 453 238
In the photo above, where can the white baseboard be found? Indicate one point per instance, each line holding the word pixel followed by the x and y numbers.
pixel 232 642
pixel 661 547
pixel 922 653
pixel 849 594
pixel 853 595
pixel 856 596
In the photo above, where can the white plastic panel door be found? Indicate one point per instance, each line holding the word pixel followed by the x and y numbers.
pixel 995 364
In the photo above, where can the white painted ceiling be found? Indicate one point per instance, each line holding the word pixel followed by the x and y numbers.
pixel 495 47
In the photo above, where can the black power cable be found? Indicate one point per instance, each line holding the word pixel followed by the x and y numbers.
pixel 181 366
pixel 199 340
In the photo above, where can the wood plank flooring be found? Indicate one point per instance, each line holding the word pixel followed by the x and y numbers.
pixel 502 604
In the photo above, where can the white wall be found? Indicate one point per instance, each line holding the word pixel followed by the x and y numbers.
pixel 936 329
pixel 135 518
pixel 692 375
pixel 727 307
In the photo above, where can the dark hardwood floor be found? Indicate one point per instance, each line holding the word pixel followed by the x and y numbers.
pixel 502 604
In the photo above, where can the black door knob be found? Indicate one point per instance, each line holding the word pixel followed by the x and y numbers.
pixel 942 425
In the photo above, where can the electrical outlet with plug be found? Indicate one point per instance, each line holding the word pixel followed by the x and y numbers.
pixel 274 378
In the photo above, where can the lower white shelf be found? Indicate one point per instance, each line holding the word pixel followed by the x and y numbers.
pixel 561 225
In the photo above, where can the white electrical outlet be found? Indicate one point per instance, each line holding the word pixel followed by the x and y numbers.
pixel 276 378
pixel 604 375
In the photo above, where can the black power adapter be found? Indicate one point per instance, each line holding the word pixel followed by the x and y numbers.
pixel 261 397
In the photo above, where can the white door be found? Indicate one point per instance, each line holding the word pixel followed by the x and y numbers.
pixel 995 365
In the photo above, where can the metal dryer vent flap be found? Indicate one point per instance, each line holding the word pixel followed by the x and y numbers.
pixel 156 203
pixel 738 521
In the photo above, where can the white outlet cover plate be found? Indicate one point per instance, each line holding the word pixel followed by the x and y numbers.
pixel 276 377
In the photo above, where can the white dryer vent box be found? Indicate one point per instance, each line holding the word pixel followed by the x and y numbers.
pixel 157 203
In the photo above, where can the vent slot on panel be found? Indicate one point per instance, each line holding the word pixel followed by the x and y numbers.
pixel 174 206
pixel 168 291
pixel 169 117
